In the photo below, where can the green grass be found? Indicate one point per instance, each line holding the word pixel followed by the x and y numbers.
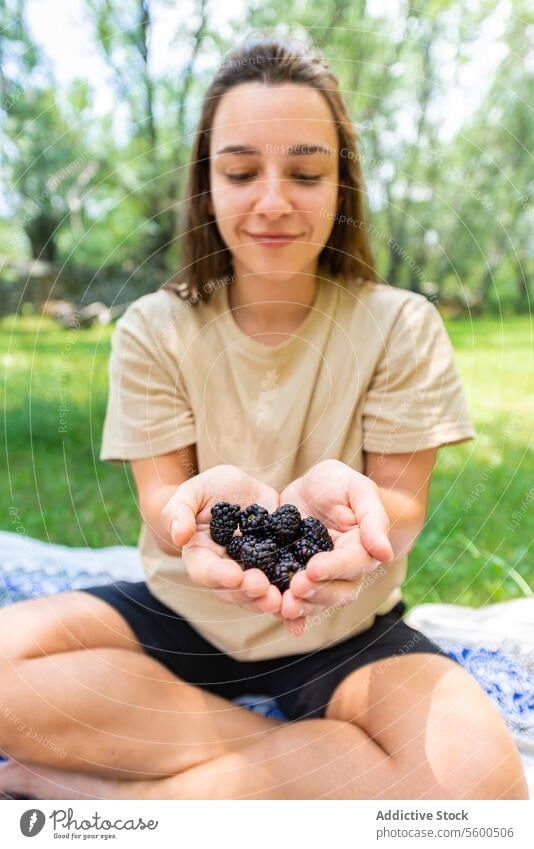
pixel 474 548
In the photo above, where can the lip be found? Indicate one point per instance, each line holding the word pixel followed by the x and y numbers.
pixel 274 240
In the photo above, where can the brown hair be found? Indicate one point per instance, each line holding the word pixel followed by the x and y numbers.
pixel 205 257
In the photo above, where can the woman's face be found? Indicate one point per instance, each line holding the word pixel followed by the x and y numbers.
pixel 274 177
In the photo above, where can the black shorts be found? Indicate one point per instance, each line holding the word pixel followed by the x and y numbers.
pixel 301 683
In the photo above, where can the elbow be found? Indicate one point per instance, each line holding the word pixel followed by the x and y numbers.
pixel 406 544
pixel 404 533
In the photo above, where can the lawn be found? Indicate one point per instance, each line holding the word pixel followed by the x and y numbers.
pixel 474 548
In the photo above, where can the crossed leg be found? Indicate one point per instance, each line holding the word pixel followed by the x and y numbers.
pixel 409 727
pixel 412 727
pixel 80 694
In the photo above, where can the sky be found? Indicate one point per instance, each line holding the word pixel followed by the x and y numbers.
pixel 66 35
pixel 63 29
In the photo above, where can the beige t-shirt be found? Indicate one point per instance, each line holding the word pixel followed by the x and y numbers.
pixel 370 369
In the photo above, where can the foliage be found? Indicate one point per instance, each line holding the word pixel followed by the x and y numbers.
pixel 445 154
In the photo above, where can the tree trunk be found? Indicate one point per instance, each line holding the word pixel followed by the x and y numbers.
pixel 41 231
pixel 524 300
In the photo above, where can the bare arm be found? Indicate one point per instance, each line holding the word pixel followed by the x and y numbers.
pixel 403 481
pixel 157 479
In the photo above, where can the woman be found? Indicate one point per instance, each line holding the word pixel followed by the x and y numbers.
pixel 274 370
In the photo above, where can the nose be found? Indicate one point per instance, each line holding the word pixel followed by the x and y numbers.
pixel 273 197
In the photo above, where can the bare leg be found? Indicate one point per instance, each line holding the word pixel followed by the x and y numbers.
pixel 414 727
pixel 295 761
pixel 305 760
pixel 110 711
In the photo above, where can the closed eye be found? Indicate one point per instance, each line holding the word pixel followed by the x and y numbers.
pixel 304 178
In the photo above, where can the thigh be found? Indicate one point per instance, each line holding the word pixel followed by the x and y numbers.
pixel 67 621
pixel 429 714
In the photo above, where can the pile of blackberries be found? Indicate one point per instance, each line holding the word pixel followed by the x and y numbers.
pixel 278 543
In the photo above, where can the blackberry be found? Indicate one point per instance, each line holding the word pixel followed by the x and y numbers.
pixel 304 548
pixel 279 544
pixel 233 549
pixel 288 559
pixel 315 531
pixel 259 553
pixel 285 524
pixel 223 522
pixel 254 520
pixel 279 576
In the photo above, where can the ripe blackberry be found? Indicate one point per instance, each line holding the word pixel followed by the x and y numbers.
pixel 254 520
pixel 290 561
pixel 304 548
pixel 233 549
pixel 259 553
pixel 223 522
pixel 279 576
pixel 314 530
pixel 285 524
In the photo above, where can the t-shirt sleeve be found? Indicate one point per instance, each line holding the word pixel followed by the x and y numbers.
pixel 148 412
pixel 415 399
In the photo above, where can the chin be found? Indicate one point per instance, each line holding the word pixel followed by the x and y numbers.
pixel 276 269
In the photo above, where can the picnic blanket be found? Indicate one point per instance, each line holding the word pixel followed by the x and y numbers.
pixel 495 644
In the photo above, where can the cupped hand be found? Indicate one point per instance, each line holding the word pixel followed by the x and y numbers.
pixel 349 504
pixel 187 515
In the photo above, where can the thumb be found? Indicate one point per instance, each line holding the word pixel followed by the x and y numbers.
pixel 375 539
pixel 183 525
pixel 372 518
pixel 181 511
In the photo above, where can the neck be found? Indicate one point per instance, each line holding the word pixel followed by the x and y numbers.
pixel 291 300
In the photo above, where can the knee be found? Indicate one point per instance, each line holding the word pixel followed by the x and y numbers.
pixel 16 631
pixel 472 754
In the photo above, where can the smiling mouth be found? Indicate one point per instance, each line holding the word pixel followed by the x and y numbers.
pixel 274 239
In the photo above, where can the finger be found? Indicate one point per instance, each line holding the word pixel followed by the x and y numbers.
pixel 271 602
pixel 370 513
pixel 296 627
pixel 230 596
pixel 237 598
pixel 255 583
pixel 341 563
pixel 301 585
pixel 295 608
pixel 205 569
pixel 336 593
pixel 181 511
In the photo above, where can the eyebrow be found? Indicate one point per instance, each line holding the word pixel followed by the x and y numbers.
pixel 291 150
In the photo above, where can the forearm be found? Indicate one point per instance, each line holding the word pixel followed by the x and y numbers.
pixel 407 516
pixel 151 509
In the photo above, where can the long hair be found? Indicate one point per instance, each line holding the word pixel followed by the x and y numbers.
pixel 205 256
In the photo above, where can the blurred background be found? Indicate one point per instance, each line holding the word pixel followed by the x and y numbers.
pixel 99 100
